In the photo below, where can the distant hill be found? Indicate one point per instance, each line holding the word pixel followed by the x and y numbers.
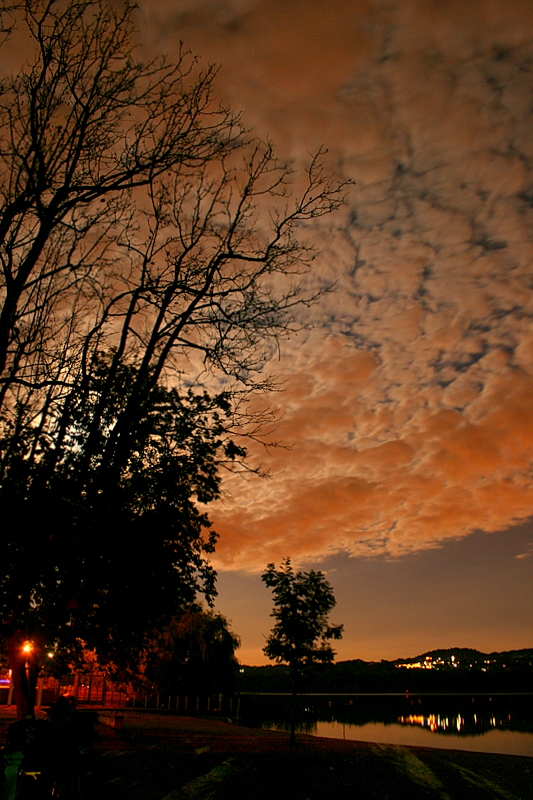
pixel 455 669
pixel 466 657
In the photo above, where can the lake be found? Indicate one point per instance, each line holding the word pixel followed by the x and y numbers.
pixel 494 723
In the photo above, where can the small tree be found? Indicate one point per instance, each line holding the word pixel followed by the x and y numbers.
pixel 300 637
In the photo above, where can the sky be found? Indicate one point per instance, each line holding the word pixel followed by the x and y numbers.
pixel 406 474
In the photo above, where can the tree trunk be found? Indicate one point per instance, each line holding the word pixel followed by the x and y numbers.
pixel 24 666
pixel 293 709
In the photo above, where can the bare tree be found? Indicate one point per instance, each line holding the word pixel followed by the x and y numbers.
pixel 143 233
pixel 88 260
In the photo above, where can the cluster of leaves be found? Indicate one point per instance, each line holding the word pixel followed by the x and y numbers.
pixel 193 655
pixel 301 634
pixel 113 539
pixel 302 603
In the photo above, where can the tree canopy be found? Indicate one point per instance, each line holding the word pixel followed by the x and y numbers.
pixel 100 561
pixel 302 633
pixel 193 655
pixel 148 246
pixel 302 603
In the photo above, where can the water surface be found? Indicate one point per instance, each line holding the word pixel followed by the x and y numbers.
pixel 480 723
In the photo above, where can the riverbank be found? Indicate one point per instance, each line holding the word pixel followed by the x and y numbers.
pixel 158 756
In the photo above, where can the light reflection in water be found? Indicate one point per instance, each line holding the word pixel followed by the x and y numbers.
pixel 494 741
pixel 437 724
pixel 483 723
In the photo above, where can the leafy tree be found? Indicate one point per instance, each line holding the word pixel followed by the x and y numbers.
pixel 194 655
pixel 148 244
pixel 301 634
pixel 100 563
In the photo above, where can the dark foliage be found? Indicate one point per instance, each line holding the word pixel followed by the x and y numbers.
pixel 193 655
pixel 510 671
pixel 302 602
pixel 301 634
pixel 111 543
pixel 132 265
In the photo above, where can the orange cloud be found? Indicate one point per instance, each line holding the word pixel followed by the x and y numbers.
pixel 406 406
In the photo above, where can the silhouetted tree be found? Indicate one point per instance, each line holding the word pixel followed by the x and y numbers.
pixel 135 260
pixel 194 655
pixel 301 634
pixel 106 553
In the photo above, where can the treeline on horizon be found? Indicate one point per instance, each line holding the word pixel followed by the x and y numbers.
pixel 456 670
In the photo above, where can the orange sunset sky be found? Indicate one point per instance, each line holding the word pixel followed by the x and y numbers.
pixel 406 405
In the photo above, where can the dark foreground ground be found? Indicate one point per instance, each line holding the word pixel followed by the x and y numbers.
pixel 182 758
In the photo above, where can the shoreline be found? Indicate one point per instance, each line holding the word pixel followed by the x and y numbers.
pixel 172 757
pixel 226 761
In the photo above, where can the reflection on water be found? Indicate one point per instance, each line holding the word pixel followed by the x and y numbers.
pixel 471 725
pixel 495 741
pixel 497 724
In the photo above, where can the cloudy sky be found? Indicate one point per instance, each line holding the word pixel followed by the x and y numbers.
pixel 406 408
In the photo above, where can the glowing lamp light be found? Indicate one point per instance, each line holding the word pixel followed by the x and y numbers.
pixel 27 647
